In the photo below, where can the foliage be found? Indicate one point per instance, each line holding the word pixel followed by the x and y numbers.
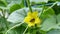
pixel 13 12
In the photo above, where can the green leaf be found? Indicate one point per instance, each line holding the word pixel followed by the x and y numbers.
pixel 57 26
pixel 3 25
pixel 47 13
pixel 14 7
pixel 56 9
pixel 37 1
pixel 58 22
pixel 20 2
pixel 3 3
pixel 52 0
pixel 48 24
pixel 17 30
pixel 58 18
pixel 55 31
pixel 19 15
pixel 33 2
pixel 14 1
pixel 12 32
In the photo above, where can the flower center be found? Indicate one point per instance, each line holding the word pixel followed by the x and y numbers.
pixel 32 20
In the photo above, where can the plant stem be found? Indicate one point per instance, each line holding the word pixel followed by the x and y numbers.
pixel 25 30
pixel 5 20
pixel 7 25
pixel 50 7
pixel 28 2
pixel 42 10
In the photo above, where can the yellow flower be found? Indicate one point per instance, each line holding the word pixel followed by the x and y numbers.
pixel 32 18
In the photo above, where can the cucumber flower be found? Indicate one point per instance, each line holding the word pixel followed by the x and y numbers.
pixel 32 19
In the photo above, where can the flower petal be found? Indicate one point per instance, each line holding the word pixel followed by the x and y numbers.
pixel 35 14
pixel 31 24
pixel 30 16
pixel 37 21
pixel 29 13
pixel 27 19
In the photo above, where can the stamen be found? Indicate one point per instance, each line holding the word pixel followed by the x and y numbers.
pixel 32 20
